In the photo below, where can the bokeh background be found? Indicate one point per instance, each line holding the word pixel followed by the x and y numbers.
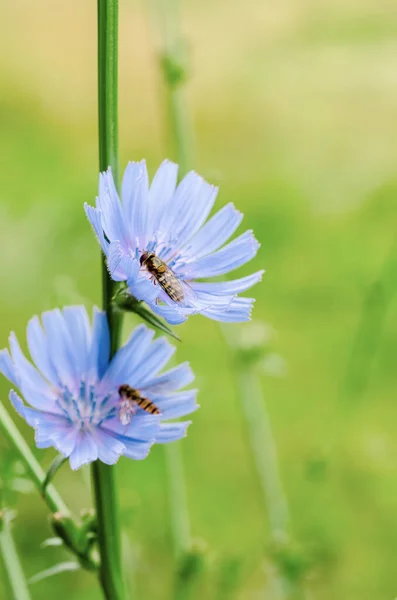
pixel 294 108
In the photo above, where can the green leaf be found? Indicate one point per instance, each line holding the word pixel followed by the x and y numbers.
pixel 55 465
pixel 56 570
pixel 155 321
pixel 127 302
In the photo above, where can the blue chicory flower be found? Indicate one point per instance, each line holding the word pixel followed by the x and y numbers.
pixel 72 392
pixel 169 222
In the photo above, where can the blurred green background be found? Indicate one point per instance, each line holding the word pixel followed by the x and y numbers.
pixel 294 106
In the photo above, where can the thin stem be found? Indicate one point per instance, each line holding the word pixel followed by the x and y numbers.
pixel 180 142
pixel 173 60
pixel 264 451
pixel 108 531
pixel 103 475
pixel 62 521
pixel 178 499
pixel 14 574
pixel 36 473
pixel 178 122
pixel 376 303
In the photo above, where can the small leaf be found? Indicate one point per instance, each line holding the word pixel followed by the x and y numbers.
pixel 155 321
pixel 55 465
pixel 127 302
pixel 54 541
pixel 56 570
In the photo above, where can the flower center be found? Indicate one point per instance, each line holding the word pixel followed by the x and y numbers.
pixel 84 407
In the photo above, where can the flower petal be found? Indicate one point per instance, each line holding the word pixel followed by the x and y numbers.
pixel 34 417
pixel 170 432
pixel 136 449
pixel 99 352
pixel 213 234
pixel 235 254
pixel 143 289
pixel 112 216
pixel 142 427
pixel 172 380
pixel 238 311
pixel 78 326
pixel 161 191
pixel 39 351
pixel 188 209
pixel 176 405
pixel 109 447
pixel 60 347
pixel 134 191
pixel 150 363
pixel 223 288
pixel 51 430
pixel 85 450
pixel 7 368
pixel 35 389
pixel 95 218
pixel 124 362
pixel 121 266
pixel 171 314
pixel 17 403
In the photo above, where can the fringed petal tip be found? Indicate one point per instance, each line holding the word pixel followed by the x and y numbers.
pixel 17 403
pixel 239 311
pixel 171 432
pixel 94 215
pixel 7 367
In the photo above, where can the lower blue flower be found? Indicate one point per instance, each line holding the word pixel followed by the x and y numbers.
pixel 72 393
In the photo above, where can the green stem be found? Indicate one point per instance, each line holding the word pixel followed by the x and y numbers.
pixel 178 500
pixel 34 470
pixel 376 303
pixel 179 140
pixel 264 451
pixel 14 574
pixel 62 520
pixel 103 475
pixel 173 62
pixel 108 531
pixel 178 122
pixel 108 133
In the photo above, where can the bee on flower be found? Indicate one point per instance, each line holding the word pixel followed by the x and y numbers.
pixel 74 397
pixel 157 239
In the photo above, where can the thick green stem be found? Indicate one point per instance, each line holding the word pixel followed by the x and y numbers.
pixel 103 475
pixel 108 132
pixel 108 531
pixel 15 578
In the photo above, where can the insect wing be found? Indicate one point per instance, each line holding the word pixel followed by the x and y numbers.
pixel 190 298
pixel 126 410
pixel 171 285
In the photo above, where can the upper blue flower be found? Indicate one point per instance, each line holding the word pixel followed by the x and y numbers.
pixel 73 391
pixel 168 222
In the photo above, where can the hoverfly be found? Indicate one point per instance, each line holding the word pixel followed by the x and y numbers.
pixel 163 275
pixel 129 399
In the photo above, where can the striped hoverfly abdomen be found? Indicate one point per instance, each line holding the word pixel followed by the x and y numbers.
pixel 130 398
